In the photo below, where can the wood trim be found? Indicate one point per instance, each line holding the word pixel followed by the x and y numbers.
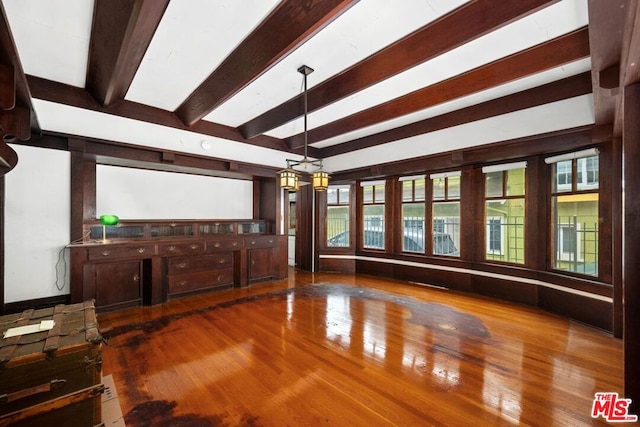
pixel 561 50
pixel 38 303
pixel 120 35
pixel 631 231
pixel 2 207
pixel 617 229
pixel 462 25
pixel 285 29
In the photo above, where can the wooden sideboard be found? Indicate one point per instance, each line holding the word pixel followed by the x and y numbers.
pixel 152 268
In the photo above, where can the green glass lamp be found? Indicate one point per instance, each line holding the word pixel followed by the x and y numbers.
pixel 107 220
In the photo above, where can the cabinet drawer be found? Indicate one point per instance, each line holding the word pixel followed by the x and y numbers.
pixel 180 283
pixel 224 245
pixel 199 263
pixel 262 242
pixel 129 251
pixel 178 249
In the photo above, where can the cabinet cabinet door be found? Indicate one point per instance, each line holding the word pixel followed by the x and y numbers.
pixel 118 283
pixel 260 265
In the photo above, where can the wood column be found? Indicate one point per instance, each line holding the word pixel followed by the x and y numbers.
pixel 631 244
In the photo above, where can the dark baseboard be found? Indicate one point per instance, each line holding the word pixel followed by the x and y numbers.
pixel 20 306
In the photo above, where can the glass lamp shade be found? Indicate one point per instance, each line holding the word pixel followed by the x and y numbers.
pixel 320 180
pixel 109 220
pixel 289 179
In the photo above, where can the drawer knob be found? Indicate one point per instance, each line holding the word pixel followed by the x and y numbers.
pixel 182 265
pixel 253 242
pixel 235 243
pixel 216 244
pixel 194 246
pixel 172 248
pixel 182 283
pixel 141 250
pixel 136 278
pixel 105 252
pixel 220 277
pixel 221 261
pixel 270 240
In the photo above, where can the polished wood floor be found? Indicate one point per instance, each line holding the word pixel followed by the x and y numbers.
pixel 343 350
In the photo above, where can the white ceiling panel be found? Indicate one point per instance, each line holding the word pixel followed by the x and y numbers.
pixel 174 65
pixel 52 37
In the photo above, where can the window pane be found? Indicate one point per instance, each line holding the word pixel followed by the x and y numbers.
pixel 453 185
pixel 446 228
pixel 343 193
pixel 407 191
pixel 419 190
pixel 587 171
pixel 367 194
pixel 561 176
pixel 575 230
pixel 493 184
pixel 438 188
pixel 332 195
pixel 373 221
pixel 504 234
pixel 337 226
pixel 413 227
pixel 515 182
pixel 379 189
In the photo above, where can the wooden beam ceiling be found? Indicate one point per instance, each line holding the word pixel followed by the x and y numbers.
pixel 556 91
pixel 286 28
pixel 120 35
pixel 554 53
pixel 460 26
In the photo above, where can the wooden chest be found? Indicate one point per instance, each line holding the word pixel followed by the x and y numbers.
pixel 52 377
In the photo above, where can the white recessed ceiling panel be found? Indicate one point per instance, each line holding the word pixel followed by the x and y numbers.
pixel 568 113
pixel 52 37
pixel 364 29
pixel 193 38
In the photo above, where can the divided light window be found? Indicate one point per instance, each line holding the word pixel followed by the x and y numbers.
pixel 413 209
pixel 373 214
pixel 504 212
pixel 337 231
pixel 445 208
pixel 574 211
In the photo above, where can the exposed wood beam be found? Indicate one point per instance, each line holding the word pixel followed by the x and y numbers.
pixel 120 36
pixel 7 87
pixel 606 26
pixel 550 142
pixel 561 89
pixel 554 53
pixel 9 57
pixel 286 28
pixel 77 97
pixel 460 26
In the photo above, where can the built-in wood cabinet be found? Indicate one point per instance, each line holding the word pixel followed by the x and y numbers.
pixel 167 260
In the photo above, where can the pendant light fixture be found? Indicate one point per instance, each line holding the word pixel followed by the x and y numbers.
pixel 290 177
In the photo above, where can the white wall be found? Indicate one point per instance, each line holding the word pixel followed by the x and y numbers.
pixel 37 212
pixel 144 194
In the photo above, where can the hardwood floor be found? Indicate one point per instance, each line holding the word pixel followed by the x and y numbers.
pixel 343 350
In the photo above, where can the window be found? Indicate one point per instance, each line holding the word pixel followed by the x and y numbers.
pixel 445 209
pixel 505 212
pixel 574 204
pixel 373 214
pixel 337 230
pixel 413 209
